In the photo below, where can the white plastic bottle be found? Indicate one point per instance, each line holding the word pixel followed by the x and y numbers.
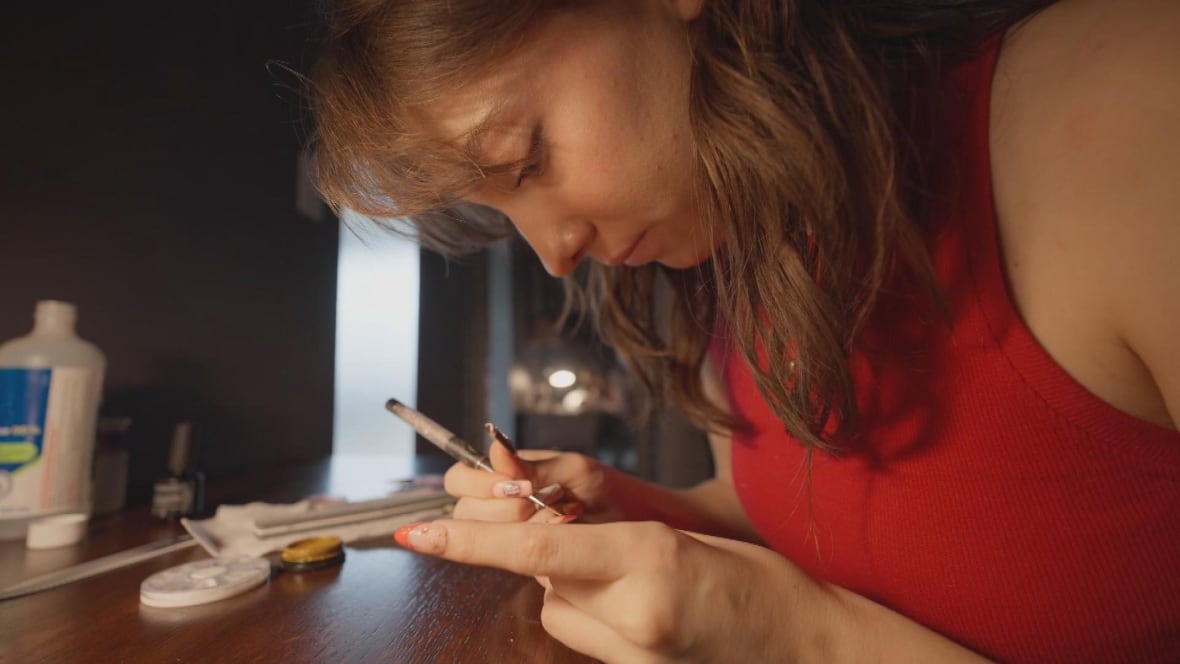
pixel 50 386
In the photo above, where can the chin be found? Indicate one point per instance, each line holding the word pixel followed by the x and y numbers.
pixel 684 263
pixel 690 257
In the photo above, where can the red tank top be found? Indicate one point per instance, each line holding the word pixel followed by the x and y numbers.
pixel 989 496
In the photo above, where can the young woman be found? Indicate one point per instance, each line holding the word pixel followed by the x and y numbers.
pixel 926 301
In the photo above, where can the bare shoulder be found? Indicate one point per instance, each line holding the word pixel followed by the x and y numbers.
pixel 1086 164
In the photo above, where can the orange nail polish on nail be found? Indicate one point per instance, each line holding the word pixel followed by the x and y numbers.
pixel 571 507
pixel 402 535
pixel 424 537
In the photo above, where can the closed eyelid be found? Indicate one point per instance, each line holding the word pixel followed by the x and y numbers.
pixel 536 143
pixel 531 152
pixel 532 163
pixel 535 151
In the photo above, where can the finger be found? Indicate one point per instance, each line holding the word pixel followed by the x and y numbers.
pixel 549 505
pixel 551 494
pixel 572 470
pixel 488 509
pixel 644 611
pixel 585 634
pixel 571 507
pixel 495 435
pixel 540 515
pixel 645 607
pixel 507 462
pixel 589 552
pixel 537 455
pixel 461 481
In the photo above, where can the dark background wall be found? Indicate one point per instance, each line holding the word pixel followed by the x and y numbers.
pixel 453 350
pixel 147 173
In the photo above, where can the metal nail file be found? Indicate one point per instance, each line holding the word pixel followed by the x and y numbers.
pixel 97 566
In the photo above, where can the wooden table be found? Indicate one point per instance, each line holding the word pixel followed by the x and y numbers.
pixel 384 604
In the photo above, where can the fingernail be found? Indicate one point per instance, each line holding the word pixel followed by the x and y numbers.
pixel 571 507
pixel 421 537
pixel 550 493
pixel 499 436
pixel 512 489
pixel 564 518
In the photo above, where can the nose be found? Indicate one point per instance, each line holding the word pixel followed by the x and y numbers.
pixel 559 243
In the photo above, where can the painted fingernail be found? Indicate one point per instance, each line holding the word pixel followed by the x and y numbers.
pixel 512 489
pixel 550 493
pixel 422 537
pixel 571 507
pixel 499 436
pixel 564 518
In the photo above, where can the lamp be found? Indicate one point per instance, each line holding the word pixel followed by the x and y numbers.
pixel 557 377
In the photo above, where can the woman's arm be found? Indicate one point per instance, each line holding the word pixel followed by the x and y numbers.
pixel 711 507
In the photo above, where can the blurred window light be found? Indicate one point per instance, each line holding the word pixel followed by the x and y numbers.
pixel 377 287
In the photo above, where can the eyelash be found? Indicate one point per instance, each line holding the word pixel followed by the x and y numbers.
pixel 532 161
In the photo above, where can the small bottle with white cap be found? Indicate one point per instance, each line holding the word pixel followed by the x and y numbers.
pixel 50 386
pixel 182 492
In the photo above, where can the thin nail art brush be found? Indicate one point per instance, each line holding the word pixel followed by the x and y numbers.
pixel 449 442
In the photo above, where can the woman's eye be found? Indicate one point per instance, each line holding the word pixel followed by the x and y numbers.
pixel 529 170
pixel 532 162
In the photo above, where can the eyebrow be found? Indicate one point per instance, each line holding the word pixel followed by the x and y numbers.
pixel 471 144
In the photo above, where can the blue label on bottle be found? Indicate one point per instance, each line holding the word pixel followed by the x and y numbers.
pixel 24 397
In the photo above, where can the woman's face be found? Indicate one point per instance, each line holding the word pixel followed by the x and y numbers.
pixel 596 105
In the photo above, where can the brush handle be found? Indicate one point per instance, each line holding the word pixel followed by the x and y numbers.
pixel 449 442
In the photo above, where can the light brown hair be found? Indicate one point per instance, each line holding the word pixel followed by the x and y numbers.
pixel 800 113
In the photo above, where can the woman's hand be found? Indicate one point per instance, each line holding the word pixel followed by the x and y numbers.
pixel 571 483
pixel 644 592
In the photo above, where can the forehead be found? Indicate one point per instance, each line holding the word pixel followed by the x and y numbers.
pixel 500 92
pixel 474 109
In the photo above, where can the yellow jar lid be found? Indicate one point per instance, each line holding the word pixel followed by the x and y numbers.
pixel 312 550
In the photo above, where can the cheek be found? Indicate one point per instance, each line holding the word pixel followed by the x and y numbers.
pixel 664 183
pixel 639 185
pixel 600 185
pixel 617 195
pixel 614 163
